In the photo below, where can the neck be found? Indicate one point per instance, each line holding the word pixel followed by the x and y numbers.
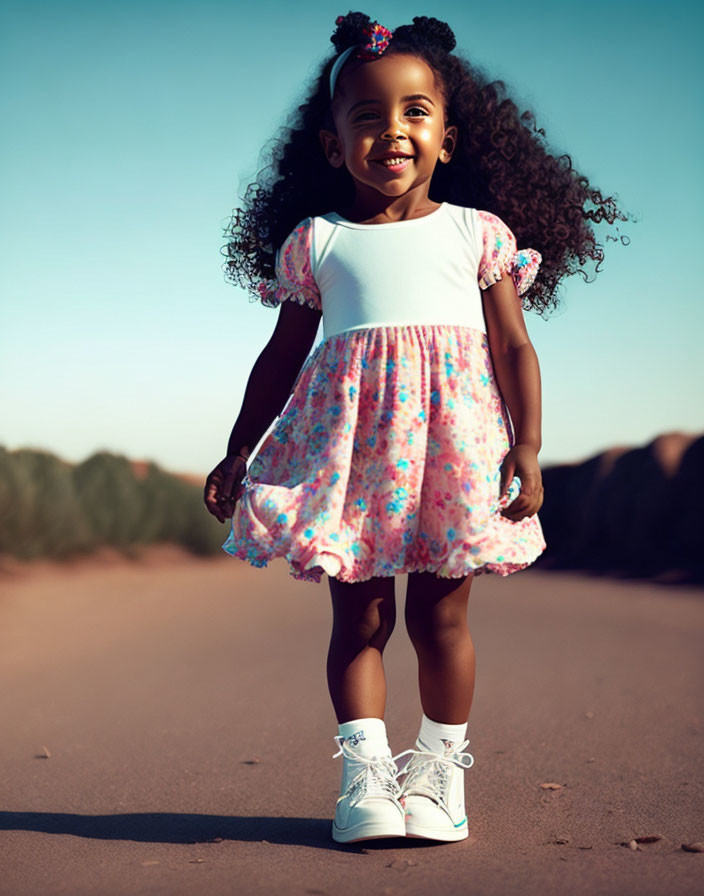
pixel 375 208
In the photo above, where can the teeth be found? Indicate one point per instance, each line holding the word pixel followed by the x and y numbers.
pixel 391 162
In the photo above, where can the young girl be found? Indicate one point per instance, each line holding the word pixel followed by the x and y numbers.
pixel 394 208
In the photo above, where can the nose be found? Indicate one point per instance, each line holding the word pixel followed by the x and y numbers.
pixel 392 129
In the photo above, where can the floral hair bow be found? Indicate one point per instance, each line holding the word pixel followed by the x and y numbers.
pixel 378 41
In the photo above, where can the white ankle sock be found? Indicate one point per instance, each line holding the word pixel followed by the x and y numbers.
pixel 366 736
pixel 438 737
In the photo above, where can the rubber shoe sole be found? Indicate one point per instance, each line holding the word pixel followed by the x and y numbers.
pixel 369 830
pixel 447 834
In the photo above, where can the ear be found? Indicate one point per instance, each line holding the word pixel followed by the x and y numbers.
pixel 448 144
pixel 333 148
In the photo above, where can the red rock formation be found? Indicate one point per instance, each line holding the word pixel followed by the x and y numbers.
pixel 628 511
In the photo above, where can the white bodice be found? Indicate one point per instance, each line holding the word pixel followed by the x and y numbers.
pixel 421 271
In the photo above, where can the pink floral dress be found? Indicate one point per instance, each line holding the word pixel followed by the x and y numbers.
pixel 386 458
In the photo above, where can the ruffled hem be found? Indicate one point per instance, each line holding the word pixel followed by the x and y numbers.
pixel 270 526
pixel 523 269
pixel 271 523
pixel 294 279
pixel 272 294
pixel 326 561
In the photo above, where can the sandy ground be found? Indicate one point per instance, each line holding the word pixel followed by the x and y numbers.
pixel 167 730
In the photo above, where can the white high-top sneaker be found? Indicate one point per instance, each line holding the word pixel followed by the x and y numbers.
pixel 432 792
pixel 368 806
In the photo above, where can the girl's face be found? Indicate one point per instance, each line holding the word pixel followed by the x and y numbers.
pixel 389 105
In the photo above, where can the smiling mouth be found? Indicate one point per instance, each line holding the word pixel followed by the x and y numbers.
pixel 393 160
pixel 393 163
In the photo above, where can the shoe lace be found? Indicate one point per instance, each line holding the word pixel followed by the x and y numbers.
pixel 375 775
pixel 427 772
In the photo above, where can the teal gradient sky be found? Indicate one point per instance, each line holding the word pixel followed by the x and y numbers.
pixel 129 129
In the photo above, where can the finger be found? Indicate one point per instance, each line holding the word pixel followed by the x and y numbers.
pixel 530 481
pixel 212 503
pixel 515 508
pixel 507 474
pixel 509 512
pixel 210 490
pixel 519 510
pixel 213 485
pixel 228 507
pixel 227 502
pixel 227 486
pixel 216 512
pixel 235 475
pixel 521 500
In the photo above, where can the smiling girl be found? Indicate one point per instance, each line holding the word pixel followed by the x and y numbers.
pixel 408 440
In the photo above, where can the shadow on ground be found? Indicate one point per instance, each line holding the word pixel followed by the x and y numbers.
pixel 174 827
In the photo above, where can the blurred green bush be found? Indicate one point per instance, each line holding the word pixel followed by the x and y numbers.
pixel 50 508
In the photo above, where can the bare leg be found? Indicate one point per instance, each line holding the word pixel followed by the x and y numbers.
pixel 436 619
pixel 364 614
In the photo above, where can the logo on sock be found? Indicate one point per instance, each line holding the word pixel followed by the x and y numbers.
pixel 449 745
pixel 355 738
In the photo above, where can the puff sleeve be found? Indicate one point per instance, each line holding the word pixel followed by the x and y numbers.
pixel 294 278
pixel 500 255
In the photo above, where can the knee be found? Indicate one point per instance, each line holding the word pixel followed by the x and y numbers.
pixel 382 624
pixel 435 626
pixel 371 626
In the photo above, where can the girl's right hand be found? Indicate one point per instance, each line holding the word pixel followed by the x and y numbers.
pixel 222 487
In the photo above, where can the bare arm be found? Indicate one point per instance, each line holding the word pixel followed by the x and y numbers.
pixel 273 374
pixel 518 376
pixel 515 361
pixel 269 385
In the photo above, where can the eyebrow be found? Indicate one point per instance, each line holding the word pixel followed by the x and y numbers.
pixel 404 99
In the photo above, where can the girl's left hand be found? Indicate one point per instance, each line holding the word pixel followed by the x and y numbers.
pixel 522 460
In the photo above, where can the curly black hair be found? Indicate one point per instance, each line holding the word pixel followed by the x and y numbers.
pixel 501 164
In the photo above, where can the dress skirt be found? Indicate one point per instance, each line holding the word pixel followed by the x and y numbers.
pixel 386 459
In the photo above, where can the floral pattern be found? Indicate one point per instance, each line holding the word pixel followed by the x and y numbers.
pixel 500 256
pixel 294 279
pixel 387 460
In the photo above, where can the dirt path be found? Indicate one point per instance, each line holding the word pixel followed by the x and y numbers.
pixel 184 710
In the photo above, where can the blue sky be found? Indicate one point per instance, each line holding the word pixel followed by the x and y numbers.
pixel 130 128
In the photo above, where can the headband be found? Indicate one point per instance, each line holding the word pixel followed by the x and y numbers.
pixel 378 41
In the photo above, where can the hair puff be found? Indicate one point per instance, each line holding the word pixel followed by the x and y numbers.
pixel 350 30
pixel 431 30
